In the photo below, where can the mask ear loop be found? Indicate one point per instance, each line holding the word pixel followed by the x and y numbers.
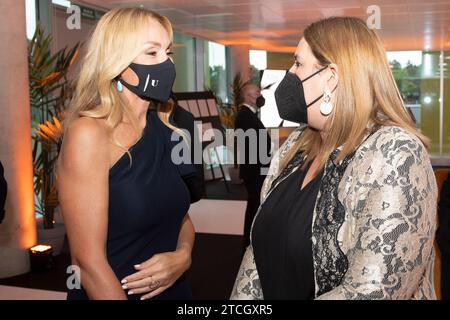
pixel 129 85
pixel 320 97
pixel 312 75
pixel 315 100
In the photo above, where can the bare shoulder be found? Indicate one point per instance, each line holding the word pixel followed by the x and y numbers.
pixel 86 130
pixel 85 140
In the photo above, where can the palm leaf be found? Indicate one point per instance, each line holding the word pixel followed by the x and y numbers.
pixel 49 93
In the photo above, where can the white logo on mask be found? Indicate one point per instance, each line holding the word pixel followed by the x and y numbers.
pixel 154 83
pixel 146 82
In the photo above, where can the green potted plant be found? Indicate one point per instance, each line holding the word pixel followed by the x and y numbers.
pixel 50 92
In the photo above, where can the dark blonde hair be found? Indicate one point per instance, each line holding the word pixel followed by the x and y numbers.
pixel 366 95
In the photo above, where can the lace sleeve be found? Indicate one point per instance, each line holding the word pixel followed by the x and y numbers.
pixel 247 285
pixel 391 207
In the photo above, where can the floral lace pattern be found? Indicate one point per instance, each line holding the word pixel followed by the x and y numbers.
pixel 382 204
pixel 249 286
pixel 330 263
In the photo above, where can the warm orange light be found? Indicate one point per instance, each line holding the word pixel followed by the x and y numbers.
pixel 24 197
pixel 40 248
pixel 261 39
pixel 21 225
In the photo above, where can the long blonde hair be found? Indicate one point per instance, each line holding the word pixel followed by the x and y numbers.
pixel 366 95
pixel 114 44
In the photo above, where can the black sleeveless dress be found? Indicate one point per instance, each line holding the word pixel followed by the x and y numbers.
pixel 147 202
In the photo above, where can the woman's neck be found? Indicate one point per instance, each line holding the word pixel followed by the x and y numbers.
pixel 138 107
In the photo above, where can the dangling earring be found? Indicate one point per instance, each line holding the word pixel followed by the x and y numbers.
pixel 119 86
pixel 326 107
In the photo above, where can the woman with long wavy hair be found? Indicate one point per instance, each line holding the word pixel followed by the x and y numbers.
pixel 123 200
pixel 348 208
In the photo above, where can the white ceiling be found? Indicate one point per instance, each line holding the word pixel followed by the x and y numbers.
pixel 276 25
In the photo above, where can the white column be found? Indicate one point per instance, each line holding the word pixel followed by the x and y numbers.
pixel 18 230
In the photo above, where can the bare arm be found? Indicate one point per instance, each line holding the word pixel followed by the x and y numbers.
pixel 83 170
pixel 186 239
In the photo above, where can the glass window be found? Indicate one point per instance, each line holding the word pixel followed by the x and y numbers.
pixel 30 11
pixel 216 70
pixel 258 62
pixel 185 63
pixel 63 3
pixel 429 98
pixel 418 78
pixel 446 104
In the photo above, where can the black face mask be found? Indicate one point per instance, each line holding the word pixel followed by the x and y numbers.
pixel 290 98
pixel 155 80
pixel 260 101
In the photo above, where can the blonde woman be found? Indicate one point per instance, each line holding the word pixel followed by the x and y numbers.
pixel 348 208
pixel 123 200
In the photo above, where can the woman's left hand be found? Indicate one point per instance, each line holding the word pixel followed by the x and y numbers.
pixel 158 273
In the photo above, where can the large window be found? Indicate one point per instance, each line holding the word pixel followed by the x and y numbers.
pixel 446 103
pixel 216 70
pixel 423 79
pixel 185 63
pixel 30 10
pixel 258 62
pixel 62 3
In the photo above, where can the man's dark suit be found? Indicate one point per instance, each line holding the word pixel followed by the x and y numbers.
pixel 251 173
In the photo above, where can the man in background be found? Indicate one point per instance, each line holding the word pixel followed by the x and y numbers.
pixel 251 100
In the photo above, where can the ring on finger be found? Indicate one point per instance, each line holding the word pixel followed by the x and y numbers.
pixel 154 283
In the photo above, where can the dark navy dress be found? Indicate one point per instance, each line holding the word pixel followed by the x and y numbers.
pixel 147 202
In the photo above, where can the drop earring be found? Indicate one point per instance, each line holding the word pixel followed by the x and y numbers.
pixel 119 86
pixel 326 107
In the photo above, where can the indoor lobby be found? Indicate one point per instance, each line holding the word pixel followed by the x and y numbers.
pixel 219 47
